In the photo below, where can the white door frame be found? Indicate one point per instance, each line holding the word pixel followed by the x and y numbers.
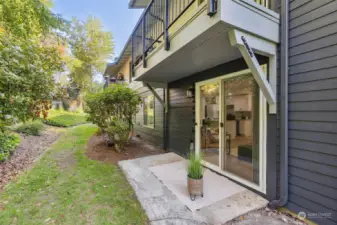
pixel 262 136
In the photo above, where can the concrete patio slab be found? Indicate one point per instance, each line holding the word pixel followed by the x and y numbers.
pixel 164 208
pixel 174 177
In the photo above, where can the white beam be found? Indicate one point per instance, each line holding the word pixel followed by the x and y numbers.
pixel 259 45
pixel 162 101
pixel 258 74
pixel 240 40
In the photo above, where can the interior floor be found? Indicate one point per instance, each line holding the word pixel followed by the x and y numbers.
pixel 232 163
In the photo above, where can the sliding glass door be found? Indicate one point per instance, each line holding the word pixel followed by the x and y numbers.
pixel 230 121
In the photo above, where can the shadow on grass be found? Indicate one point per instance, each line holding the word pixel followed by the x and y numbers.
pixel 65 187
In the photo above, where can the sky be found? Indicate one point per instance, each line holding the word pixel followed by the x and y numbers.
pixel 114 14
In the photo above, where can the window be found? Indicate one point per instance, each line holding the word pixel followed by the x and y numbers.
pixel 148 111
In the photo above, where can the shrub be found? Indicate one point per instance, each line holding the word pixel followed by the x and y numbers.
pixel 113 109
pixel 119 133
pixel 195 168
pixel 53 123
pixel 99 132
pixel 65 105
pixel 31 128
pixel 57 106
pixel 8 143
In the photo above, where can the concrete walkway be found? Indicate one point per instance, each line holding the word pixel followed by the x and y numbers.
pixel 164 208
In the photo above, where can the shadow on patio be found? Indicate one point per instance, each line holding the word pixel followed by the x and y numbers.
pixel 163 204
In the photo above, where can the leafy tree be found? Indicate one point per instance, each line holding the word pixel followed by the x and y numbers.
pixel 91 48
pixel 28 59
pixel 28 19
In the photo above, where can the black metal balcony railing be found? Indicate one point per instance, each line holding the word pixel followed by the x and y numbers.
pixel 265 3
pixel 152 28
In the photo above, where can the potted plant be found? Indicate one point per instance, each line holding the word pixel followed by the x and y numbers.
pixel 195 184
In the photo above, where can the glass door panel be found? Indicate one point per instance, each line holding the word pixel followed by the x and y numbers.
pixel 241 131
pixel 209 122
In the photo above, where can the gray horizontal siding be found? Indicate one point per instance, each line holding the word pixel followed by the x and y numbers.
pixel 317 85
pixel 314 35
pixel 314 187
pixel 329 7
pixel 319 95
pixel 313 75
pixel 320 147
pixel 314 136
pixel 325 181
pixel 313 108
pixel 296 4
pixel 313 25
pixel 311 46
pixel 314 65
pixel 304 7
pixel 313 116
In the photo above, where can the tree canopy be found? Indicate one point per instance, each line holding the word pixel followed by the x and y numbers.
pixel 27 59
pixel 91 48
pixel 28 19
pixel 36 45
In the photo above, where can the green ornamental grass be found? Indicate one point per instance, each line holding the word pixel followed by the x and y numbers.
pixel 31 128
pixel 195 168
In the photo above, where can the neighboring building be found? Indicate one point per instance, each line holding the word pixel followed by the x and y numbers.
pixel 214 78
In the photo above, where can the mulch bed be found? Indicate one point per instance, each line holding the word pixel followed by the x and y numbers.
pixel 98 150
pixel 30 149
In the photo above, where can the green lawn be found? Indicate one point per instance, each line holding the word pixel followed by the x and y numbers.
pixel 65 187
pixel 62 118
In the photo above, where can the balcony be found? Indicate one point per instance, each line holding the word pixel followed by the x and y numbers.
pixel 152 29
pixel 195 32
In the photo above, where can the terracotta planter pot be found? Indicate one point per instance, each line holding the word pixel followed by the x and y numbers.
pixel 195 187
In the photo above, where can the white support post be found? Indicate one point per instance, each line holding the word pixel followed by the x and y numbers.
pixel 273 80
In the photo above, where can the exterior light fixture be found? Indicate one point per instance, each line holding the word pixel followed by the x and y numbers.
pixel 212 6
